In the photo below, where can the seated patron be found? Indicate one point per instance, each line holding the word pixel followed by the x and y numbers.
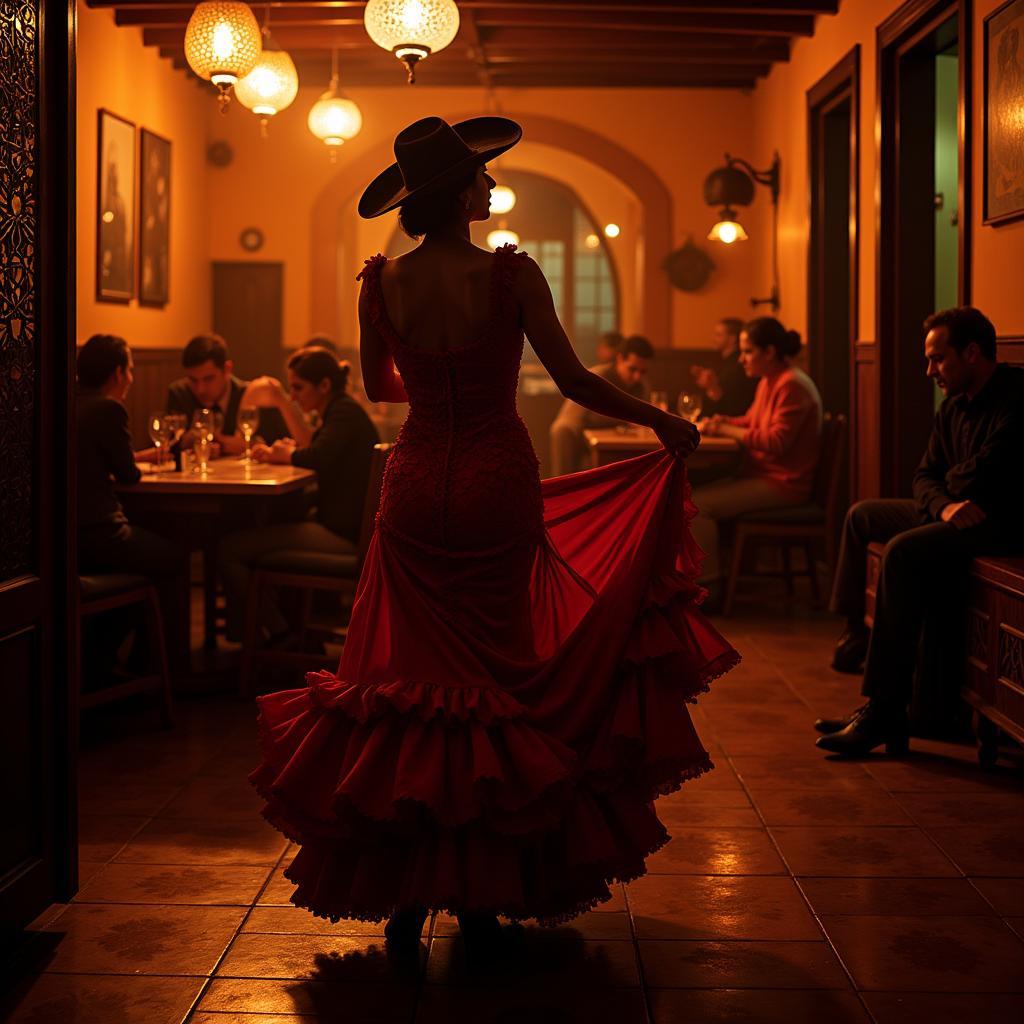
pixel 107 541
pixel 968 496
pixel 209 383
pixel 340 451
pixel 728 390
pixel 780 434
pixel 627 370
pixel 608 346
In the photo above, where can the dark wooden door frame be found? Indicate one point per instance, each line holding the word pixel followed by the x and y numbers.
pixel 895 37
pixel 840 84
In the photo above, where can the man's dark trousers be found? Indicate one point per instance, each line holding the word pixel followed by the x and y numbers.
pixel 923 576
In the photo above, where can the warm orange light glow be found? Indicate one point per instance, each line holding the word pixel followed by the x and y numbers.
pixel 222 43
pixel 270 86
pixel 502 199
pixel 501 236
pixel 727 231
pixel 612 231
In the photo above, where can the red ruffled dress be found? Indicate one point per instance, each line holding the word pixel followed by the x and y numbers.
pixel 512 695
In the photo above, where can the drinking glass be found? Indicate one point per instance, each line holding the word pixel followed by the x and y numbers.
pixel 176 424
pixel 689 406
pixel 203 429
pixel 248 420
pixel 158 434
pixel 659 399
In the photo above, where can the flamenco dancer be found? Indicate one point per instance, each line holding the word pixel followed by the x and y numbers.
pixel 512 694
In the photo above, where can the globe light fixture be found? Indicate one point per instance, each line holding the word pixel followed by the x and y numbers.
pixel 591 241
pixel 411 29
pixel 222 44
pixel 271 86
pixel 501 236
pixel 334 118
pixel 502 199
pixel 734 185
pixel 612 231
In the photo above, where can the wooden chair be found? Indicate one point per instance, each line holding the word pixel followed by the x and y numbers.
pixel 104 592
pixel 309 572
pixel 802 526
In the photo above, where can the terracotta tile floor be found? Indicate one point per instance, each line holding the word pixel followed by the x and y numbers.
pixel 796 889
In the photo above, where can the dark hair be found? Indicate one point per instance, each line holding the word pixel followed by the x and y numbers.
pixel 422 214
pixel 99 357
pixel 205 348
pixel 612 340
pixel 765 331
pixel 636 345
pixel 733 324
pixel 321 341
pixel 314 364
pixel 965 324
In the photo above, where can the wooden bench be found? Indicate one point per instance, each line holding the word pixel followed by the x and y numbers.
pixel 993 681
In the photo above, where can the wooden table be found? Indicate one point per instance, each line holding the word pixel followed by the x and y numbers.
pixel 613 445
pixel 197 510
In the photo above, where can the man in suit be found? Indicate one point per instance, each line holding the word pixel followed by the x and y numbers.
pixel 628 371
pixel 968 496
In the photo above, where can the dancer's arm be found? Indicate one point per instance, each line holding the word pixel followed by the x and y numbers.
pixel 574 380
pixel 381 380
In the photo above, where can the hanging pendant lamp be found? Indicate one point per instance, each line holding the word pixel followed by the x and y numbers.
pixel 222 44
pixel 411 29
pixel 334 119
pixel 272 85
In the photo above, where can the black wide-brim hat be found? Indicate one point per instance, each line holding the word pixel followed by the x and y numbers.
pixel 431 153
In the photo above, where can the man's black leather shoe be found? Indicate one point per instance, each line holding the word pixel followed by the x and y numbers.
pixel 831 725
pixel 851 650
pixel 870 728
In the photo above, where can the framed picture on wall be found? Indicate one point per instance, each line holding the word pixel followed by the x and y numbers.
pixel 1004 113
pixel 154 218
pixel 115 208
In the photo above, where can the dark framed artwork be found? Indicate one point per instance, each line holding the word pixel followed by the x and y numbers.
pixel 1004 113
pixel 115 209
pixel 154 218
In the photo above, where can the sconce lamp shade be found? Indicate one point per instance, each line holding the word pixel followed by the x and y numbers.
pixel 271 86
pixel 727 231
pixel 222 42
pixel 728 186
pixel 411 29
pixel 501 236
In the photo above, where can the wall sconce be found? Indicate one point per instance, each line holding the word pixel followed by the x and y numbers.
pixel 733 185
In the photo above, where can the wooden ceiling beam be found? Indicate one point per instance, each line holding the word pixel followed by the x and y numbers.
pixel 535 38
pixel 631 55
pixel 354 8
pixel 637 20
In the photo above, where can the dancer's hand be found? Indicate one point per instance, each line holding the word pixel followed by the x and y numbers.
pixel 679 436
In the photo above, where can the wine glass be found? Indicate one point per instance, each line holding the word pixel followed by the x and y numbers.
pixel 203 429
pixel 158 434
pixel 689 406
pixel 659 399
pixel 248 420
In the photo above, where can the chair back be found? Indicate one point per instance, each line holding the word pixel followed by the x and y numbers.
pixel 829 476
pixel 373 487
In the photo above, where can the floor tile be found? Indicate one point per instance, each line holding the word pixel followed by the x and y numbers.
pixel 116 939
pixel 718 851
pixel 557 958
pixel 179 841
pixel 852 851
pixel 934 774
pixel 228 797
pixel 170 883
pixel 895 896
pixel 774 774
pixel 336 958
pixel 100 838
pixel 124 796
pixel 1005 894
pixel 812 808
pixel 944 1007
pixel 929 954
pixel 326 1002
pixel 751 1006
pixel 719 907
pixel 294 920
pixel 714 965
pixel 938 809
pixel 977 850
pixel 675 816
pixel 557 1005
pixel 95 999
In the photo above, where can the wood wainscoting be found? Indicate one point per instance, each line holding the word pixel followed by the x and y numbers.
pixel 155 368
pixel 865 450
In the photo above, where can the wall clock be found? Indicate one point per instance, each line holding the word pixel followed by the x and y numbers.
pixel 251 239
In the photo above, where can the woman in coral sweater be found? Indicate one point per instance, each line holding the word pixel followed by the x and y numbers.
pixel 780 434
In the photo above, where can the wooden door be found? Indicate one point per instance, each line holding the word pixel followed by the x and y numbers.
pixel 247 313
pixel 38 685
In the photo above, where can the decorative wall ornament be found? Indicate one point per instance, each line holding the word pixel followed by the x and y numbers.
pixel 251 239
pixel 689 267
pixel 154 218
pixel 19 210
pixel 115 213
pixel 222 44
pixel 411 29
pixel 219 153
pixel 1004 114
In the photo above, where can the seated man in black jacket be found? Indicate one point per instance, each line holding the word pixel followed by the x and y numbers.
pixel 107 541
pixel 968 497
pixel 340 451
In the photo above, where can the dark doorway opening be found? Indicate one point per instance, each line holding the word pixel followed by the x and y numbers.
pixel 924 214
pixel 248 314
